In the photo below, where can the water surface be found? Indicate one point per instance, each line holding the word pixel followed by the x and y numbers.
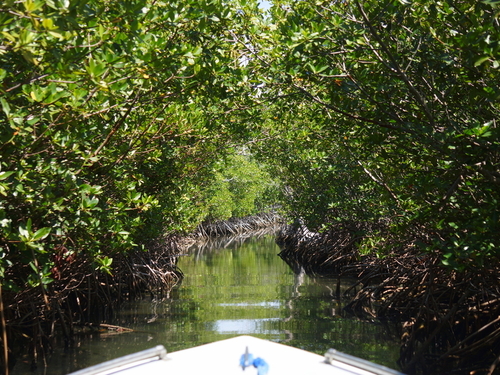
pixel 229 291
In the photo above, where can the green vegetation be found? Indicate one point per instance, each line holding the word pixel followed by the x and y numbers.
pixel 125 120
pixel 109 137
pixel 119 122
pixel 387 110
pixel 112 131
pixel 241 189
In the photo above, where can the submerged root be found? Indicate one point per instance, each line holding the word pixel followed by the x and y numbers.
pixel 450 320
pixel 80 295
pixel 154 270
pixel 326 253
pixel 238 226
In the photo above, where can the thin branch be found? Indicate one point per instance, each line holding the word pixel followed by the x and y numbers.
pixel 397 68
pixel 379 182
pixel 113 130
pixel 450 191
pixel 4 336
pixel 28 81
pixel 347 114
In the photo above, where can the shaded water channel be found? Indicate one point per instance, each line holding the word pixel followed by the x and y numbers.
pixel 243 288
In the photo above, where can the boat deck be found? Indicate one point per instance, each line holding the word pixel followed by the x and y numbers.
pixel 223 358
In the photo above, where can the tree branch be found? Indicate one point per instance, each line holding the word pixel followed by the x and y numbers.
pixel 397 68
pixel 379 182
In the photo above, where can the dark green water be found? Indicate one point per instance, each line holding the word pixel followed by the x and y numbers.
pixel 240 289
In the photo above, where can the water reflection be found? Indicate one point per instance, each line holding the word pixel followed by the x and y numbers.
pixel 239 288
pixel 243 326
pixel 276 304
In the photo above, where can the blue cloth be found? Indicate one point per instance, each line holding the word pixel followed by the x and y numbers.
pixel 247 360
pixel 261 365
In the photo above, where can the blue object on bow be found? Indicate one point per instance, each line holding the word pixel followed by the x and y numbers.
pixel 247 360
pixel 261 365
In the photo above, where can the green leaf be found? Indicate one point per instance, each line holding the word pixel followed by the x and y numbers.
pixel 33 267
pixel 5 106
pixel 41 233
pixel 23 231
pixel 492 2
pixel 48 23
pixel 481 60
pixel 4 175
pixel 89 203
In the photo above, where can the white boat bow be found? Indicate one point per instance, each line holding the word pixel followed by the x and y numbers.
pixel 223 358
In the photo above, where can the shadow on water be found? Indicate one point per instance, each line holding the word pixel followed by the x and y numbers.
pixel 237 286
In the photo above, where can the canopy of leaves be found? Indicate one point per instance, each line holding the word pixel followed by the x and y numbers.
pixel 109 122
pixel 242 188
pixel 387 110
pixel 116 118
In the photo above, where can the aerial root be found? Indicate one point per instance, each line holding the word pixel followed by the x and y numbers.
pixel 449 320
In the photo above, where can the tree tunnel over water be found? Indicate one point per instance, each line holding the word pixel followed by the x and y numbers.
pixel 244 288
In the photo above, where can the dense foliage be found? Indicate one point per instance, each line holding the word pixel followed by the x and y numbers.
pixel 241 188
pixel 123 120
pixel 111 126
pixel 118 116
pixel 387 110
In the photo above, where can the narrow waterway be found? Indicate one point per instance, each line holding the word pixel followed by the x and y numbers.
pixel 241 288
